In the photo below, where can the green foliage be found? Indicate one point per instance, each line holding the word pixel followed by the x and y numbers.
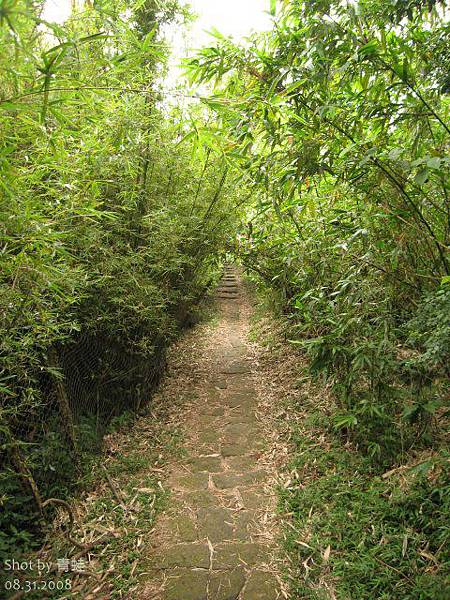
pixel 116 209
pixel 339 120
pixel 429 331
pixel 18 526
pixel 110 232
pixel 385 540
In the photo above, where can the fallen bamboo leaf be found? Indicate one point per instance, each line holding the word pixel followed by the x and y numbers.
pixel 404 545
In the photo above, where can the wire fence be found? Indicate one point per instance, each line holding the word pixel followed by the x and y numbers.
pixel 67 408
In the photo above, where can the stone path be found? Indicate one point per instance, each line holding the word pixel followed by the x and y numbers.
pixel 215 541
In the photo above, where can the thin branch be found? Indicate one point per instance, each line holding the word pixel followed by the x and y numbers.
pixel 100 88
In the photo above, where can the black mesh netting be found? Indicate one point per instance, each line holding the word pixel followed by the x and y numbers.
pixel 62 414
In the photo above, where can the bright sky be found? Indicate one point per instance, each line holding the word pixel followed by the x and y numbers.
pixel 56 11
pixel 237 18
pixel 231 17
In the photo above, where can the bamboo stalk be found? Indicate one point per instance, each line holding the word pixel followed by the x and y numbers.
pixel 64 406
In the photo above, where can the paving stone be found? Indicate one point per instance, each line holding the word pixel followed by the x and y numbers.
pixel 241 384
pixel 200 498
pixel 183 528
pixel 226 421
pixel 261 586
pixel 237 449
pixel 210 464
pixel 226 585
pixel 231 354
pixel 253 500
pixel 215 411
pixel 192 481
pixel 213 394
pixel 242 463
pixel 229 556
pixel 245 401
pixel 206 421
pixel 187 585
pixel 182 555
pixel 219 382
pixel 215 523
pixel 233 480
pixel 239 399
pixel 239 430
pixel 236 368
pixel 208 436
pixel 238 417
pixel 242 525
pixel 237 342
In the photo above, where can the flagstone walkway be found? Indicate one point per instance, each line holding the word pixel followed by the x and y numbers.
pixel 216 539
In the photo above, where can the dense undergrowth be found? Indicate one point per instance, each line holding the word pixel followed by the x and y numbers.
pixel 350 531
pixel 339 119
pixel 110 236
pixel 386 538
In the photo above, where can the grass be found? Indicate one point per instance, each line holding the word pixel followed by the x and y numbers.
pixel 386 538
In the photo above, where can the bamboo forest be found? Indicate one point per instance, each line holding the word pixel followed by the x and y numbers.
pixel 225 299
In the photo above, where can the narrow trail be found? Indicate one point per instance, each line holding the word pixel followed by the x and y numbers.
pixel 216 539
